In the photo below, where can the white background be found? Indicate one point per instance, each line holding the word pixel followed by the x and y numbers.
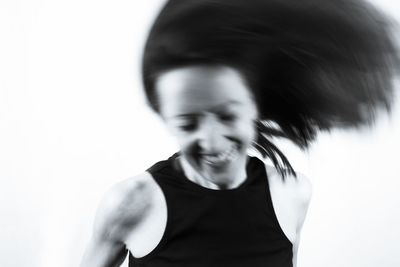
pixel 73 121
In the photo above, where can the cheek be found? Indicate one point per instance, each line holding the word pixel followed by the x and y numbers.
pixel 249 132
pixel 244 130
pixel 246 123
pixel 186 142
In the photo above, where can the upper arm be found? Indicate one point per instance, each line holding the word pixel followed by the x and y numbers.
pixel 291 197
pixel 303 200
pixel 105 249
pixel 103 253
pixel 116 216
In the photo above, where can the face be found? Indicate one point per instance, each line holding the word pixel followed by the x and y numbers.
pixel 211 113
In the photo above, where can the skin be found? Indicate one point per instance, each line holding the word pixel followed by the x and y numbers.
pixel 211 112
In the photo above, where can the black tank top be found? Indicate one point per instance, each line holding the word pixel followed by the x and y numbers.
pixel 217 228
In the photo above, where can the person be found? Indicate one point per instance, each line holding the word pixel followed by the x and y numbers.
pixel 226 77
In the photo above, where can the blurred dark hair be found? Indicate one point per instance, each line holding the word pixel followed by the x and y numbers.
pixel 311 64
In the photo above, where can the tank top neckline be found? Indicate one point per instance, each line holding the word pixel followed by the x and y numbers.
pixel 176 166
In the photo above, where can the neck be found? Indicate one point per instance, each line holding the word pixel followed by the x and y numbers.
pixel 236 176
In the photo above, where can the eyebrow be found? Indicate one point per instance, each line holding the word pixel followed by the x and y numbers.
pixel 212 109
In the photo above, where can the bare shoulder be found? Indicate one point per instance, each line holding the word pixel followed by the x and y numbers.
pixel 298 187
pixel 124 205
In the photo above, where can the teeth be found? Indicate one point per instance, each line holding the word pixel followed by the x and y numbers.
pixel 227 155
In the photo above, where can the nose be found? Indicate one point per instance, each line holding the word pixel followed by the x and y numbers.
pixel 211 135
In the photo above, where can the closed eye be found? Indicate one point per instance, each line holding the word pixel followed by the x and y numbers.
pixel 227 117
pixel 187 123
pixel 188 127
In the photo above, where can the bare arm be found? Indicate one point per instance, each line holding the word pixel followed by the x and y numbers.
pixel 117 215
pixel 302 203
pixel 103 253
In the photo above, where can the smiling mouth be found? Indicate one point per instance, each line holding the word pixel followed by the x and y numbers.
pixel 223 157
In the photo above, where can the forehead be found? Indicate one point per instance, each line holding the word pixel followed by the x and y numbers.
pixel 201 88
